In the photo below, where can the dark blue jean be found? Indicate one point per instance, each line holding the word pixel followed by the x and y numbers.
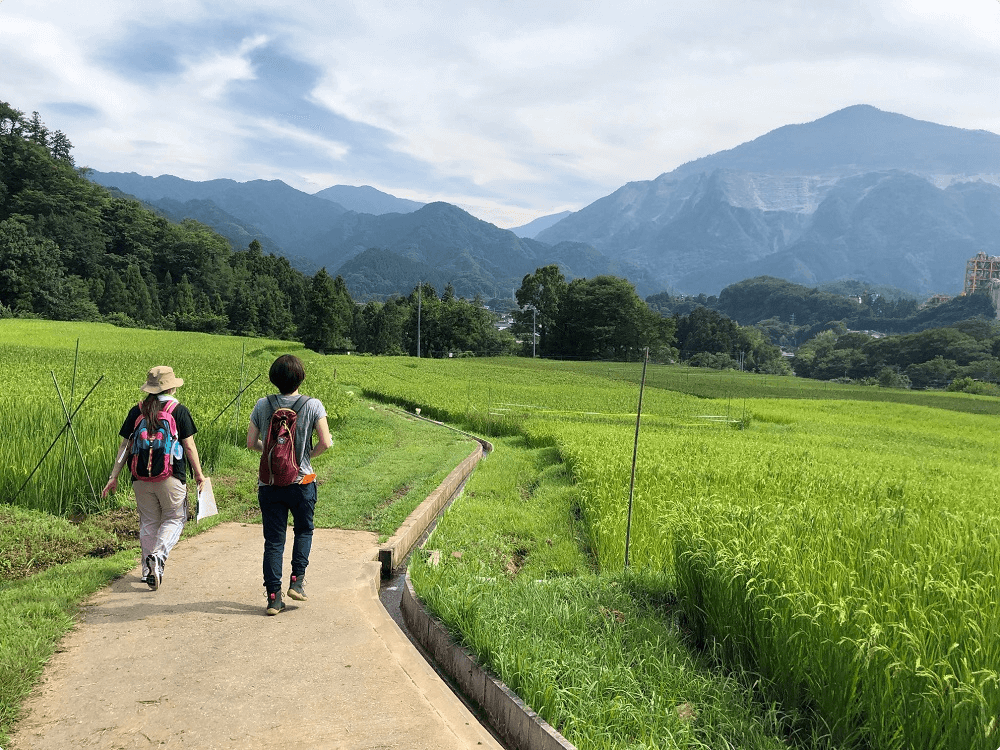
pixel 275 504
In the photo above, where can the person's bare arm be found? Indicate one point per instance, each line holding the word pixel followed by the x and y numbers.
pixel 112 486
pixel 325 438
pixel 191 452
pixel 254 442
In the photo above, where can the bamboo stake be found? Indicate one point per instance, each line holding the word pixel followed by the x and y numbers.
pixel 56 440
pixel 226 407
pixel 72 395
pixel 79 450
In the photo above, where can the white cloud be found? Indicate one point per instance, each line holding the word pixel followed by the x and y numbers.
pixel 527 106
pixel 211 74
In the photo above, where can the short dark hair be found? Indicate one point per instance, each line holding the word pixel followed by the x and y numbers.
pixel 287 373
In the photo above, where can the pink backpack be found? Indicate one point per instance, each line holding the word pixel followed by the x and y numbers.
pixel 154 452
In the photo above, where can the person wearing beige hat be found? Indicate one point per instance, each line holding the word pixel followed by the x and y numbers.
pixel 160 493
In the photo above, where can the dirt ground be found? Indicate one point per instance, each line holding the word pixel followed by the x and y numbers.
pixel 198 664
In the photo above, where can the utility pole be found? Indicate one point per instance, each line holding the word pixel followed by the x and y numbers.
pixel 419 291
pixel 534 330
pixel 635 454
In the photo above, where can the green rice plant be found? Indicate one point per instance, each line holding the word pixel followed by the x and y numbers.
pixel 851 560
pixel 600 657
pixel 845 550
pixel 214 369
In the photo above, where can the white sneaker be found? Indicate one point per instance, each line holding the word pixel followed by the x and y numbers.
pixel 155 575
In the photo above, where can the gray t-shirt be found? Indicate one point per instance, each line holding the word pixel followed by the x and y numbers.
pixel 310 413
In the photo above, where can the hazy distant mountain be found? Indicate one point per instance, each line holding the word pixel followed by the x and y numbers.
pixel 475 256
pixel 288 216
pixel 439 242
pixel 367 200
pixel 860 194
pixel 532 228
pixel 239 233
pixel 860 139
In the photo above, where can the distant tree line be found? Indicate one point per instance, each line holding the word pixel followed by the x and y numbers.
pixel 706 338
pixel 934 358
pixel 448 326
pixel 955 344
pixel 792 313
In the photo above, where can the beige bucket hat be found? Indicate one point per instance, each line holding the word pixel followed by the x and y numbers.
pixel 161 378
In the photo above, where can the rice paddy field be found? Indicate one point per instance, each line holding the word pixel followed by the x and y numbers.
pixel 92 373
pixel 838 544
pixel 846 550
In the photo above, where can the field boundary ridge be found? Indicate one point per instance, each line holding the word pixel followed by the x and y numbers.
pixel 397 547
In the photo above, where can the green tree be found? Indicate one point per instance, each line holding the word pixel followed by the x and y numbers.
pixel 330 314
pixel 603 318
pixel 242 310
pixel 115 299
pixel 139 305
pixel 183 298
pixel 540 296
pixel 933 373
pixel 388 326
pixel 29 269
pixel 423 332
pixel 890 378
pixel 705 330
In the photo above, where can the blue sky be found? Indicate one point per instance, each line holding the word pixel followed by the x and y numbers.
pixel 511 110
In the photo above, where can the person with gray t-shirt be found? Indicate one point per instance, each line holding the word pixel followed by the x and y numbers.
pixel 287 373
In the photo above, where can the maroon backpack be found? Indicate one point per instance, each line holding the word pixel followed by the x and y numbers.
pixel 279 462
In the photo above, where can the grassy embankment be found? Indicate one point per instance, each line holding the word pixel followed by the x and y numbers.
pixel 381 466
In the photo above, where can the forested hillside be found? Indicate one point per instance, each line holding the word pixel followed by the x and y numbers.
pixel 799 312
pixel 437 240
pixel 73 250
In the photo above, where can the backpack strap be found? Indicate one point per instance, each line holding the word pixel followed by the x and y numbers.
pixel 272 402
pixel 168 408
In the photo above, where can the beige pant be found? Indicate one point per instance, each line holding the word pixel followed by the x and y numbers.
pixel 162 513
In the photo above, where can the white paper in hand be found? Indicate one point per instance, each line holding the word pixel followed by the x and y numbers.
pixel 206 500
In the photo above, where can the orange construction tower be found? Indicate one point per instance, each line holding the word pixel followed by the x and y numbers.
pixel 979 271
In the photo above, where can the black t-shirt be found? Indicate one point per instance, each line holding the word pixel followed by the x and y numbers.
pixel 185 429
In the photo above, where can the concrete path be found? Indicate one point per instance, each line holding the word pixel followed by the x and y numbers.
pixel 198 664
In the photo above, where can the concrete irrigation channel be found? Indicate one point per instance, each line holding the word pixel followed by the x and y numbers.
pixel 197 664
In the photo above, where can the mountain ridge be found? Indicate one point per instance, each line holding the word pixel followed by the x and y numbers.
pixel 794 203
pixel 476 257
pixel 365 199
pixel 814 203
